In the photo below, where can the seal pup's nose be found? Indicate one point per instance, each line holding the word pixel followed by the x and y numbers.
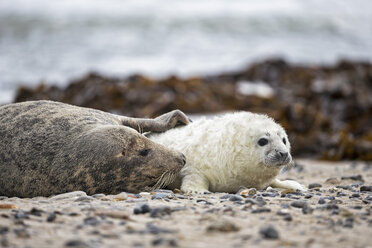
pixel 283 155
pixel 183 158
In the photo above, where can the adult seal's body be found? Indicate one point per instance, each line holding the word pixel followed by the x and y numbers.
pixel 49 148
pixel 224 153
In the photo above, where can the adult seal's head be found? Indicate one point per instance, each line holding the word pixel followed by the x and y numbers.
pixel 49 148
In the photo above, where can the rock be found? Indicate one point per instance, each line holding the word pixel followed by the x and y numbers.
pixel 115 214
pixel 299 204
pixel 92 221
pixel 333 180
pixel 260 210
pixel 8 206
pixel 366 188
pixel 355 178
pixel 159 196
pixel 282 212
pixel 160 211
pixel 287 217
pixel 349 223
pixel 74 194
pixel 36 212
pixel 20 215
pixel 269 232
pixel 141 208
pixel 4 230
pixel 154 229
pixel 51 217
pixel 307 210
pixel 77 243
pixel 21 233
pixel 223 226
pixel 165 242
pixel 236 198
pixel 321 201
pixel 314 185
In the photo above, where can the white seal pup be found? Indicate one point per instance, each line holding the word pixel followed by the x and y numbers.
pixel 229 151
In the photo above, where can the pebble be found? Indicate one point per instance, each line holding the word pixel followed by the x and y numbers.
pixel 269 232
pixel 282 212
pixel 308 196
pixel 51 217
pixel 366 188
pixel 349 223
pixel 165 242
pixel 260 210
pixel 4 230
pixel 333 180
pixel 154 229
pixel 76 243
pixel 307 210
pixel 314 185
pixel 235 198
pixel 299 204
pixel 287 217
pixel 159 196
pixel 20 215
pixel 98 195
pixel 84 199
pixel 354 178
pixel 141 208
pixel 92 221
pixel 223 226
pixel 68 195
pixel 36 212
pixel 21 233
pixel 160 211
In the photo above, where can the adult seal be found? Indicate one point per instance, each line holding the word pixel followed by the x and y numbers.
pixel 229 151
pixel 48 148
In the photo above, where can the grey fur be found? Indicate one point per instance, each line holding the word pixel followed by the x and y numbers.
pixel 49 148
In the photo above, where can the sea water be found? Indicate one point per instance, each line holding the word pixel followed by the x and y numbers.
pixel 53 41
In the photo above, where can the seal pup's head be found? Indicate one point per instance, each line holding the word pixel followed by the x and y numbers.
pixel 262 141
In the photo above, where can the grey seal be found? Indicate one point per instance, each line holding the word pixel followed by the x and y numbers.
pixel 49 148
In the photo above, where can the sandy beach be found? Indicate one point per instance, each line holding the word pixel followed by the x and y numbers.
pixel 335 212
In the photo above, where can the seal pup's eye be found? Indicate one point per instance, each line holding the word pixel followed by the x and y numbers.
pixel 262 141
pixel 144 152
pixel 284 141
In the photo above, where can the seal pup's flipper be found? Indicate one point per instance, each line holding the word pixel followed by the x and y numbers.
pixel 288 184
pixel 159 124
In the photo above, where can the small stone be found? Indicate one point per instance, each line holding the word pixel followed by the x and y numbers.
pixel 160 211
pixel 333 180
pixel 355 195
pixel 260 210
pixel 51 217
pixel 8 206
pixel 21 233
pixel 321 201
pixel 354 178
pixel 314 185
pixel 153 229
pixel 20 215
pixel 68 195
pixel 84 199
pixel 4 230
pixel 98 196
pixel 366 188
pixel 307 210
pixel 282 212
pixel 36 212
pixel 308 196
pixel 115 214
pixel 287 217
pixel 235 198
pixel 349 223
pixel 92 221
pixel 223 226
pixel 159 196
pixel 269 232
pixel 299 204
pixel 141 208
pixel 76 243
pixel 343 187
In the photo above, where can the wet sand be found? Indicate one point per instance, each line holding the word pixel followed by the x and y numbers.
pixel 336 212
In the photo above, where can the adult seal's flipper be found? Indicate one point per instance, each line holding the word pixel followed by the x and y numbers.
pixel 159 124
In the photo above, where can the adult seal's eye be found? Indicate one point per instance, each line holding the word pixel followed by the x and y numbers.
pixel 284 141
pixel 262 141
pixel 144 152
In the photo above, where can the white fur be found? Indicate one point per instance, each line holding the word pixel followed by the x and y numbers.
pixel 223 154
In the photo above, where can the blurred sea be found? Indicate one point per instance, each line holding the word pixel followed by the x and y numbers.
pixel 57 40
